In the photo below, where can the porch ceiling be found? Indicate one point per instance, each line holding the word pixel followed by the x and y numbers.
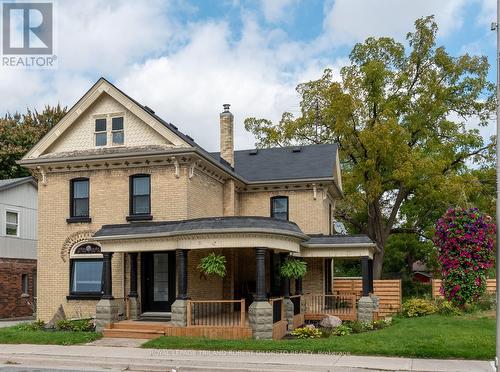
pixel 202 233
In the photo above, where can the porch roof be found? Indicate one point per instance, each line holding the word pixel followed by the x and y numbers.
pixel 355 245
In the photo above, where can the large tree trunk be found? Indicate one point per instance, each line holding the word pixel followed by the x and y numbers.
pixel 378 233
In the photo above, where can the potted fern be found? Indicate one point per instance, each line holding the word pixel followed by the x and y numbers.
pixel 213 264
pixel 293 268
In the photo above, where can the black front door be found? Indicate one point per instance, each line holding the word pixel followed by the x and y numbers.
pixel 158 281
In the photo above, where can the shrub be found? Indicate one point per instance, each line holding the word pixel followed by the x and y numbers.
pixel 356 326
pixel 465 238
pixel 308 331
pixel 37 325
pixel 78 325
pixel 213 264
pixel 418 307
pixel 486 302
pixel 447 308
pixel 342 330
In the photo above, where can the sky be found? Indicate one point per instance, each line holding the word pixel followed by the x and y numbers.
pixel 184 59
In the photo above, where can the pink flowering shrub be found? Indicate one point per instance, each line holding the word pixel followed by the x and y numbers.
pixel 465 239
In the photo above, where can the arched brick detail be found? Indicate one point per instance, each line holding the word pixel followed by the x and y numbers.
pixel 75 238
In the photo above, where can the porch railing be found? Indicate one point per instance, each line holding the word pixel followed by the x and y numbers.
pixel 296 300
pixel 216 313
pixel 341 305
pixel 278 309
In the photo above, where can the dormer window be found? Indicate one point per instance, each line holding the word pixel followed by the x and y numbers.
pixel 101 133
pixel 117 130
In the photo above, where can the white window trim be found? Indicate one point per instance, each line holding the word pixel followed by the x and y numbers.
pixel 18 231
pixel 109 129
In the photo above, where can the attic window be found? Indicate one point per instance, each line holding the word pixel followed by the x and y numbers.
pixel 117 130
pixel 101 135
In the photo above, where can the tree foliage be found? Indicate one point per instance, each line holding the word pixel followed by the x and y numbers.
pixel 20 132
pixel 398 115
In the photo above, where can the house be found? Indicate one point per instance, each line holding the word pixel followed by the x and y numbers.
pixel 129 205
pixel 18 215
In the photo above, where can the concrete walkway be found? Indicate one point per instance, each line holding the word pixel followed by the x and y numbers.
pixel 136 359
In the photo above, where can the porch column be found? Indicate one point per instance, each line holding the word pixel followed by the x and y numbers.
pixel 285 291
pixel 260 312
pixel 328 276
pixel 365 303
pixel 132 296
pixel 106 308
pixel 179 307
pixel 107 285
pixel 298 286
pixel 365 273
pixel 370 276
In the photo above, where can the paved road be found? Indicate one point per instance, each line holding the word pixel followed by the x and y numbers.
pixel 31 369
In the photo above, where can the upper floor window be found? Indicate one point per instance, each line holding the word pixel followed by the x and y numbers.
pixel 279 207
pixel 12 223
pixel 80 197
pixel 117 130
pixel 140 195
pixel 101 133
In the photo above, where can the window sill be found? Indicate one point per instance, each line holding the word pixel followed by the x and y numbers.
pixel 140 217
pixel 83 297
pixel 79 220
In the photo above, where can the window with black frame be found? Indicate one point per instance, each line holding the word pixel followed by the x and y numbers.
pixel 279 207
pixel 140 195
pixel 86 272
pixel 79 199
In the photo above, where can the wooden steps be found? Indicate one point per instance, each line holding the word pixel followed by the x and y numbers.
pixel 135 329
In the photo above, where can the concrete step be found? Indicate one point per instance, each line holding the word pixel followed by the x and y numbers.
pixel 147 334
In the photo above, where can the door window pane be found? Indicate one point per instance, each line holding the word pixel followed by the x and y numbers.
pixel 12 223
pixel 160 269
pixel 87 276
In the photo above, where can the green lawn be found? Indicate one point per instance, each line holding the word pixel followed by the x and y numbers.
pixel 15 335
pixel 435 336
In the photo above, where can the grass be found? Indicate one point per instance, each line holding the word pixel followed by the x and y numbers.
pixel 435 336
pixel 17 335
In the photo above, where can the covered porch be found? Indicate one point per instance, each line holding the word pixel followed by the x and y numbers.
pixel 167 294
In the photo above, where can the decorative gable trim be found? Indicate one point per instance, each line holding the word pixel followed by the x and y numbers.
pixel 100 87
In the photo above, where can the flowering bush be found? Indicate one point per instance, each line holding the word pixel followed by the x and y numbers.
pixel 418 307
pixel 309 331
pixel 465 239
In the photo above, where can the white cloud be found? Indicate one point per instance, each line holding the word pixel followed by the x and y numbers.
pixel 277 10
pixel 349 21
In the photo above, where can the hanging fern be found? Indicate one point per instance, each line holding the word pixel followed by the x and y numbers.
pixel 293 268
pixel 213 264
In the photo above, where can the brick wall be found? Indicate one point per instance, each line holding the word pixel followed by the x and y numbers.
pixel 13 302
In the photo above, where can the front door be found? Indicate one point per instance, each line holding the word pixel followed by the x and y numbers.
pixel 158 281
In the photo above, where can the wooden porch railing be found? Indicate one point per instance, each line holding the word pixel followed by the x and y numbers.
pixel 341 305
pixel 278 309
pixel 216 313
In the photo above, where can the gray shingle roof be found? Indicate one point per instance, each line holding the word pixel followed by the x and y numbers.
pixel 11 182
pixel 338 239
pixel 201 225
pixel 285 163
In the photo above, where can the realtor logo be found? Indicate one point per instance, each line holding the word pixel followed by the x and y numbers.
pixel 27 28
pixel 28 35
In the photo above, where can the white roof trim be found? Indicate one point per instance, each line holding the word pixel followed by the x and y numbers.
pixel 102 86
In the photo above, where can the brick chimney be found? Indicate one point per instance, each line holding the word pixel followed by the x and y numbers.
pixel 226 135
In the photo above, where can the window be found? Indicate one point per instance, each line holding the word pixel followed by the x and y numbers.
pixel 279 207
pixel 101 134
pixel 80 197
pixel 86 276
pixel 12 223
pixel 117 130
pixel 24 284
pixel 140 193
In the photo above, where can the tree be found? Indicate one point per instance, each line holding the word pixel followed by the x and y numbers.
pixel 398 116
pixel 20 132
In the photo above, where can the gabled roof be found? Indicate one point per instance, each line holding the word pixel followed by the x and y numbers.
pixel 286 163
pixel 13 182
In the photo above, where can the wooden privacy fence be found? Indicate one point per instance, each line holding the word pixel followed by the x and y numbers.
pixel 388 290
pixel 280 325
pixel 491 286
pixel 341 305
pixel 216 313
